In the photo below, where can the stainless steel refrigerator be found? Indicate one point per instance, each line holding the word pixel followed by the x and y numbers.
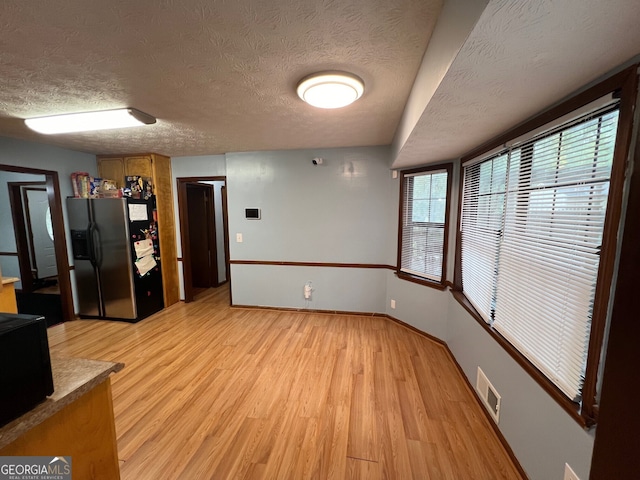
pixel 116 257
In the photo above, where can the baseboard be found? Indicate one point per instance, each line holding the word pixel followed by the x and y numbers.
pixel 491 421
pixel 426 335
pixel 308 310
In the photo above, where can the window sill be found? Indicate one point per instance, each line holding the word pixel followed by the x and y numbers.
pixel 421 281
pixel 572 408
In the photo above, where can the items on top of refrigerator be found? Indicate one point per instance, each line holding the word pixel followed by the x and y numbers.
pixel 80 184
pixel 110 189
pixel 94 187
pixel 86 186
pixel 137 186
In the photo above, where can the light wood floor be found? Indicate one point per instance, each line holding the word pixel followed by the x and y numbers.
pixel 210 392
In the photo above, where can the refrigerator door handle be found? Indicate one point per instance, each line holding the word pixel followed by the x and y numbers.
pixel 95 248
pixel 91 250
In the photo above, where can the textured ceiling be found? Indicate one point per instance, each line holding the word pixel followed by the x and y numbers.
pixel 220 76
pixel 520 58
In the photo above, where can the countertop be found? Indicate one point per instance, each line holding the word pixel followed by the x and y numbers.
pixel 72 378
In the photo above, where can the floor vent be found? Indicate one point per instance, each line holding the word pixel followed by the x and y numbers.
pixel 488 395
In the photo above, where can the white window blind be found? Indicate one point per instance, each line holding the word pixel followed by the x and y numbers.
pixel 482 216
pixel 532 226
pixel 424 208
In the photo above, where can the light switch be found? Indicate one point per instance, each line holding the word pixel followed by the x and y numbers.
pixel 238 237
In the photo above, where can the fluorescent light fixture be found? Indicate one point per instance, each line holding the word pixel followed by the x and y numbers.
pixel 330 89
pixel 83 122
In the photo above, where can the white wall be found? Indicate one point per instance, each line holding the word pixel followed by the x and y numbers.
pixel 422 307
pixel 334 289
pixel 337 212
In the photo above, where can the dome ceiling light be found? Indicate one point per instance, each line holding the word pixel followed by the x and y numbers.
pixel 330 89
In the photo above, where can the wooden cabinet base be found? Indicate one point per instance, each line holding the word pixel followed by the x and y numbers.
pixel 84 430
pixel 8 297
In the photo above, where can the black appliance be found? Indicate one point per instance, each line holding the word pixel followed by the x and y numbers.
pixel 25 364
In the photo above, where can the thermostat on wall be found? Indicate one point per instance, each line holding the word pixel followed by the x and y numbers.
pixel 252 213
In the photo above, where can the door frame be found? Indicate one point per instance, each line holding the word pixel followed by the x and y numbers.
pixel 21 228
pixel 184 232
pixel 212 243
pixel 29 225
pixel 59 237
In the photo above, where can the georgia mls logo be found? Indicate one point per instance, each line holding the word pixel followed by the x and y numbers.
pixel 61 465
pixel 35 468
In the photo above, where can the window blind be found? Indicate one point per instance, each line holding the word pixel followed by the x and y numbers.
pixel 482 214
pixel 532 224
pixel 424 209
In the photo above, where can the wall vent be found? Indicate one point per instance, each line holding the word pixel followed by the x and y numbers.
pixel 488 395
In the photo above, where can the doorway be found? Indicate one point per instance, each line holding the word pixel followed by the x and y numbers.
pixel 34 247
pixel 204 233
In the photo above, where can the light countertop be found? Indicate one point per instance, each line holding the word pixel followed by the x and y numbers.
pixel 72 378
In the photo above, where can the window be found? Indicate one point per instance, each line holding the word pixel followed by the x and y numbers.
pixel 423 224
pixel 531 233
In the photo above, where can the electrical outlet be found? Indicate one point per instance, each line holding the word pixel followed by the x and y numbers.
pixel 238 237
pixel 393 303
pixel 308 288
pixel 569 474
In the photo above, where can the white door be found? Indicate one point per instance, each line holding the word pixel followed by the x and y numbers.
pixel 41 233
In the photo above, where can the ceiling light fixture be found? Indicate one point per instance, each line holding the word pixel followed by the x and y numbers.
pixel 83 122
pixel 330 89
